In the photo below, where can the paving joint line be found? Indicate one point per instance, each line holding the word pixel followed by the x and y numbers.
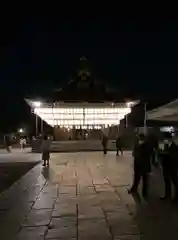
pixel 77 221
pixel 50 226
pixel 107 223
pixel 25 217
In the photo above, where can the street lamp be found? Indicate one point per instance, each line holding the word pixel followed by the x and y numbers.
pixel 21 130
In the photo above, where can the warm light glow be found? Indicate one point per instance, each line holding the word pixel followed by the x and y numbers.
pixel 130 104
pixel 82 117
pixel 36 104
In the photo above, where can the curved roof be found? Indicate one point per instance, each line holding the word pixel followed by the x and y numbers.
pixel 85 87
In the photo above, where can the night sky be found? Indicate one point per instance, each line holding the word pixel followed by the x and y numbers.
pixel 41 52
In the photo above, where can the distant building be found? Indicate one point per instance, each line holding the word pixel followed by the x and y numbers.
pixel 83 108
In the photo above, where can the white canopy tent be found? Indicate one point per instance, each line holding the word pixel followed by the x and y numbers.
pixel 167 112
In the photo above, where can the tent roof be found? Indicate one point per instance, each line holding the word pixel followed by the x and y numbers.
pixel 167 112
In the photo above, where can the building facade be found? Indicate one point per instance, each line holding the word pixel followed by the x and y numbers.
pixel 83 109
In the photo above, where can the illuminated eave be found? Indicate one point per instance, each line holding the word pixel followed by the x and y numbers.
pixel 82 114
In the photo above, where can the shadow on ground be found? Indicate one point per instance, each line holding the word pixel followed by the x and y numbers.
pixel 11 172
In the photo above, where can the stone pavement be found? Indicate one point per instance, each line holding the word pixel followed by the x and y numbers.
pixel 18 156
pixel 84 196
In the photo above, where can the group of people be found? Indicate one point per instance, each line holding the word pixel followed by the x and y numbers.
pixel 8 141
pixel 118 142
pixel 146 153
pixel 23 143
pixel 45 147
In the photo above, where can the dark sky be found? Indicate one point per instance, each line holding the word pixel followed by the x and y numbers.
pixel 41 51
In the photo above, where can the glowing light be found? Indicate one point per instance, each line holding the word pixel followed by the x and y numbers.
pixel 82 117
pixel 167 129
pixel 36 104
pixel 130 104
pixel 21 130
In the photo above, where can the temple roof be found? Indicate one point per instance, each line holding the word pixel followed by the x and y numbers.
pixel 85 87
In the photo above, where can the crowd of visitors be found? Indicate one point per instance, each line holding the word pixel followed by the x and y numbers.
pixel 147 153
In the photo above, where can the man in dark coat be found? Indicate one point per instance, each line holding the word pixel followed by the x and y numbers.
pixel 169 161
pixel 142 165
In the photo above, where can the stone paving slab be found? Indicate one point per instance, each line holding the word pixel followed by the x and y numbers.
pixel 32 233
pixel 41 217
pixel 65 210
pixel 17 156
pixel 91 229
pixel 84 196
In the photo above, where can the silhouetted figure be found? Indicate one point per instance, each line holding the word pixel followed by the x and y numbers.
pixel 169 161
pixel 142 165
pixel 45 148
pixel 154 144
pixel 7 142
pixel 135 143
pixel 119 146
pixel 104 143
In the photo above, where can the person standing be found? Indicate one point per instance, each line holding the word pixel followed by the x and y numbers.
pixel 169 161
pixel 142 166
pixel 104 143
pixel 45 148
pixel 23 143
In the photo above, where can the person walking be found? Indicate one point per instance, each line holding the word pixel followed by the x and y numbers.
pixel 119 146
pixel 142 166
pixel 169 162
pixel 45 148
pixel 7 142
